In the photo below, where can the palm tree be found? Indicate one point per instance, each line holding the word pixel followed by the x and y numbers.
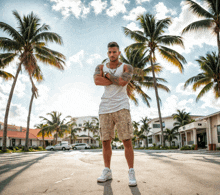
pixel 88 126
pixel 170 135
pixel 210 20
pixel 145 129
pixel 138 59
pixel 135 130
pixel 37 74
pixel 73 134
pixel 95 125
pixel 5 59
pixel 72 130
pixel 152 40
pixel 182 118
pixel 209 78
pixel 29 44
pixel 56 124
pixel 43 131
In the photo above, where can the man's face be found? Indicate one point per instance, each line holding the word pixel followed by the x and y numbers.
pixel 113 53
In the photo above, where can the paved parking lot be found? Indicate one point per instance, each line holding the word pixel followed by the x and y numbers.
pixel 75 172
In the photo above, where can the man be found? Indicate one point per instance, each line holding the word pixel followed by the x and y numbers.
pixel 114 110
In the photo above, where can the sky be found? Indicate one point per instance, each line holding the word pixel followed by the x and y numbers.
pixel 86 28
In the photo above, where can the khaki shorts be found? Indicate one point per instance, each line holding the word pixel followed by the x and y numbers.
pixel 120 120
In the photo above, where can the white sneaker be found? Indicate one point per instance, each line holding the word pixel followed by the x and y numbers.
pixel 132 180
pixel 106 175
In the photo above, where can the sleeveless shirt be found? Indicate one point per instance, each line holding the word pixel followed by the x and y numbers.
pixel 114 97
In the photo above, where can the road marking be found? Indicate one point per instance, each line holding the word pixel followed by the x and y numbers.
pixel 63 180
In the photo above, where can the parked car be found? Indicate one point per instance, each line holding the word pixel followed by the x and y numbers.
pixel 49 148
pixel 81 146
pixel 62 146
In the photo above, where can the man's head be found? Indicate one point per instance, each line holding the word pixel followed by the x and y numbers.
pixel 113 51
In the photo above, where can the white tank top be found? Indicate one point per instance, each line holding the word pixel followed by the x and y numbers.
pixel 115 97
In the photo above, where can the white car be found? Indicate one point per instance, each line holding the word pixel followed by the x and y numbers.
pixel 49 148
pixel 62 146
pixel 81 146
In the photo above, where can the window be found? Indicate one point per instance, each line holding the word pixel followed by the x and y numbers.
pixel 158 125
pixel 80 125
pixel 150 141
pixel 218 133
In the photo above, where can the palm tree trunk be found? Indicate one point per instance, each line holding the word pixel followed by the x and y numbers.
pixel 8 107
pixel 218 65
pixel 43 140
pixel 28 121
pixel 56 137
pixel 157 98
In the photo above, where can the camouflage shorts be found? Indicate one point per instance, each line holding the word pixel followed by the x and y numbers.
pixel 120 120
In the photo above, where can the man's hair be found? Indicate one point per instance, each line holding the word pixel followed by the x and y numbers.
pixel 113 44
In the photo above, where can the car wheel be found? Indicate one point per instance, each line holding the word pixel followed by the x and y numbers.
pixel 74 148
pixel 51 149
pixel 86 148
pixel 63 148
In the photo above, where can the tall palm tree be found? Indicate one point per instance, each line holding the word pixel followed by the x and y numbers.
pixel 141 79
pixel 152 40
pixel 71 128
pixel 37 74
pixel 135 130
pixel 145 128
pixel 56 124
pixel 210 20
pixel 43 131
pixel 95 121
pixel 73 134
pixel 29 44
pixel 209 78
pixel 170 135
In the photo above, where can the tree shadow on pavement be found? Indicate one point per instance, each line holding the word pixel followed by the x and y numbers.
pixel 9 167
pixel 107 187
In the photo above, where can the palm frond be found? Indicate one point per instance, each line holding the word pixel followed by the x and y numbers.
pixel 204 90
pixel 48 37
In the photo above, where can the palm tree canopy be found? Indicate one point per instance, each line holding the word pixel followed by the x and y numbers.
pixel 209 77
pixel 182 118
pixel 210 16
pixel 170 134
pixel 153 39
pixel 141 79
pixel 29 43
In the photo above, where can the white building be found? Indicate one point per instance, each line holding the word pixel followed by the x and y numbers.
pixel 85 136
pixel 154 136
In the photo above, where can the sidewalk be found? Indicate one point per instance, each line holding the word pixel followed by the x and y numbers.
pixel 75 172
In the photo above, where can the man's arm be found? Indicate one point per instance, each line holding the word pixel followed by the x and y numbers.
pixel 124 78
pixel 98 77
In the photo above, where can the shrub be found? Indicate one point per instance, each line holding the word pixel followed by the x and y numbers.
pixel 218 148
pixel 94 147
pixel 154 145
pixel 121 147
pixel 193 147
pixel 40 148
pixel 185 148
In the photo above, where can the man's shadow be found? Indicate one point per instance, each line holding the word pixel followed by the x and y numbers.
pixel 108 188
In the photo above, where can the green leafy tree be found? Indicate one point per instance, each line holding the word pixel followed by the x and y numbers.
pixel 29 45
pixel 170 135
pixel 56 124
pixel 210 20
pixel 153 40
pixel 209 78
pixel 141 79
pixel 43 131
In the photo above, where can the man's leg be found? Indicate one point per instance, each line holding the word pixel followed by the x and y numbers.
pixel 129 153
pixel 107 152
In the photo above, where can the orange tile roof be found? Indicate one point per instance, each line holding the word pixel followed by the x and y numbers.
pixel 18 134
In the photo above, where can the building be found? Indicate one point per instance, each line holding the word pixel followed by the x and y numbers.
pixel 203 133
pixel 16 137
pixel 85 136
pixel 154 135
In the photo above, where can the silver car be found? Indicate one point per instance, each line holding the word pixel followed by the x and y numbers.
pixel 62 146
pixel 81 146
pixel 49 148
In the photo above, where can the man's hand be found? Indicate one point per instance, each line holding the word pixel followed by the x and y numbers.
pixel 98 77
pixel 125 77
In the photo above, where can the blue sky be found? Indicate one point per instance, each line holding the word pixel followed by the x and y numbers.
pixel 86 28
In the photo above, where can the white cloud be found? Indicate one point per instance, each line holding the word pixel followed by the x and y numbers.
pixel 141 1
pixel 162 11
pixel 134 13
pixel 92 58
pixel 117 6
pixel 77 58
pixel 132 26
pixel 67 7
pixel 98 6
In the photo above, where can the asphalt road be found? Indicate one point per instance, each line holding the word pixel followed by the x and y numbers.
pixel 76 172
